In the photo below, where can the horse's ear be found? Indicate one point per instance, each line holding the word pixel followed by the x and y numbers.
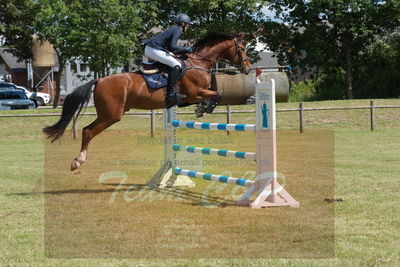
pixel 241 36
pixel 260 30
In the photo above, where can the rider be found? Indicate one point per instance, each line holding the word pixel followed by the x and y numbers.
pixel 158 47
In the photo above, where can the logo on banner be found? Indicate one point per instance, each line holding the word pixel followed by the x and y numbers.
pixel 265 113
pixel 264 110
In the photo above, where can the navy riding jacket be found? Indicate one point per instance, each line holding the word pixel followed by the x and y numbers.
pixel 168 40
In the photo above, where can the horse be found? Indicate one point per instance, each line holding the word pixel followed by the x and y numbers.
pixel 115 94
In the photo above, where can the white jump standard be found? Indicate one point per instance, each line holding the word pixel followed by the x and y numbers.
pixel 264 191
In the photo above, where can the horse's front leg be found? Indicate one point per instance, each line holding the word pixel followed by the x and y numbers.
pixel 201 95
pixel 207 101
pixel 211 104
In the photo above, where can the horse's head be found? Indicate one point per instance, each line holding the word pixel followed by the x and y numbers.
pixel 214 47
pixel 237 54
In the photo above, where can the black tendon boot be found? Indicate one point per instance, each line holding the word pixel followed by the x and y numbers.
pixel 171 97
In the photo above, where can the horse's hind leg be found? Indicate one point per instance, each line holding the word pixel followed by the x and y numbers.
pixel 88 133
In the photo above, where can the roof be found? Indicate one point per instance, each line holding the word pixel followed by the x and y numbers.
pixel 11 60
pixel 267 60
pixel 3 72
pixel 7 84
pixel 9 89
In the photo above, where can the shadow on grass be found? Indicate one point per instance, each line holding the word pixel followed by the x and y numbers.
pixel 197 199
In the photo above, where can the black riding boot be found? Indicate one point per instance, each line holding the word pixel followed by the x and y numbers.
pixel 171 97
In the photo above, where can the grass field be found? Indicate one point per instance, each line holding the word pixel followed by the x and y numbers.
pixel 366 222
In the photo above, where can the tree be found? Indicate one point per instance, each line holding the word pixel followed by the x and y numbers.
pixel 103 33
pixel 222 16
pixel 215 15
pixel 379 74
pixel 56 22
pixel 106 33
pixel 16 27
pixel 111 32
pixel 328 36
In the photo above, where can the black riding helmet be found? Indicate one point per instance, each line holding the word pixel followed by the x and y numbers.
pixel 183 18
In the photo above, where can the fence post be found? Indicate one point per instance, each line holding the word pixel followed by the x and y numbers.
pixel 228 116
pixel 152 123
pixel 372 113
pixel 301 117
pixel 74 127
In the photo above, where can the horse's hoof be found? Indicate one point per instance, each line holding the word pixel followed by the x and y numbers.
pixel 199 111
pixel 75 165
pixel 210 108
pixel 199 115
pixel 212 104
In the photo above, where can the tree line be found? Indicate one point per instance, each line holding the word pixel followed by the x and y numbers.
pixel 351 47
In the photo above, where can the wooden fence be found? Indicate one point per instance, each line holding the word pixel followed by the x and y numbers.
pixel 229 111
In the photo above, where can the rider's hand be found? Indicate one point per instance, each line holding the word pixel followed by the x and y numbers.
pixel 189 50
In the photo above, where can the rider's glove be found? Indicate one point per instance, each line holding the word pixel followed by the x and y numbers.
pixel 189 50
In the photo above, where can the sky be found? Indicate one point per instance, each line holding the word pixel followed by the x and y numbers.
pixel 270 14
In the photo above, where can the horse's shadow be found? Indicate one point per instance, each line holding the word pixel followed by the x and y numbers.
pixel 192 198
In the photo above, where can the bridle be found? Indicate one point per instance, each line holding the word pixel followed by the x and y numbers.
pixel 239 49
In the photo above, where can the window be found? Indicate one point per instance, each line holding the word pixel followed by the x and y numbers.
pixel 12 95
pixel 83 68
pixel 74 68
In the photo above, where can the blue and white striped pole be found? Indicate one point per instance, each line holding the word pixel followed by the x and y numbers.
pixel 214 177
pixel 214 151
pixel 214 126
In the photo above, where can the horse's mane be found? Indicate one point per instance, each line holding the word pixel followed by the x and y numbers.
pixel 212 38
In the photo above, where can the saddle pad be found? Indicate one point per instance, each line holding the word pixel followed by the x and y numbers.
pixel 155 81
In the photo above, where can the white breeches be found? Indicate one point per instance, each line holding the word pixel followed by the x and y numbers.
pixel 161 56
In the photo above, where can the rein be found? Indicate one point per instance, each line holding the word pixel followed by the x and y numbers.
pixel 238 50
pixel 192 66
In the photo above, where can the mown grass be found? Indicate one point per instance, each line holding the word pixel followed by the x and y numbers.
pixel 366 177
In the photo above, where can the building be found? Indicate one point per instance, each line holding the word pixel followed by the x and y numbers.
pixel 41 77
pixel 10 66
pixel 21 73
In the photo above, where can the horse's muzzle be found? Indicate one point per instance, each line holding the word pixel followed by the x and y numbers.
pixel 246 70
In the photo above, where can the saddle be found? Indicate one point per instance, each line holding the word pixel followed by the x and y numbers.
pixel 155 73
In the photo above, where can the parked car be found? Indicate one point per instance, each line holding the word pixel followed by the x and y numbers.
pixel 41 98
pixel 7 85
pixel 15 99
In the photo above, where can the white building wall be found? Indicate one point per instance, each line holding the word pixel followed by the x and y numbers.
pixel 77 73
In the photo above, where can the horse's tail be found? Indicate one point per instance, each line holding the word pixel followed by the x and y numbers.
pixel 74 102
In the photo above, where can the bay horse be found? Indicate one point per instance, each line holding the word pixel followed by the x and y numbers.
pixel 116 94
